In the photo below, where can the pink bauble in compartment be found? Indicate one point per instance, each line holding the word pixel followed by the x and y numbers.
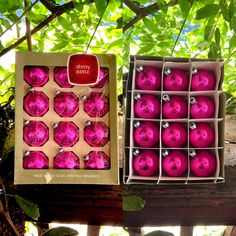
pixel 103 78
pixel 146 134
pixel 66 160
pixel 202 107
pixel 36 76
pixel 203 80
pixel 175 164
pixel 96 134
pixel 148 78
pixel 66 104
pixel 66 133
pixel 203 164
pixel 61 77
pixel 96 104
pixel 97 161
pixel 35 133
pixel 174 108
pixel 146 163
pixel 175 135
pixel 147 106
pixel 36 103
pixel 35 160
pixel 202 135
pixel 175 80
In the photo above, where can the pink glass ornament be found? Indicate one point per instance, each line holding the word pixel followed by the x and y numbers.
pixel 175 164
pixel 35 133
pixel 148 78
pixel 66 160
pixel 174 107
pixel 66 134
pixel 96 134
pixel 202 107
pixel 175 80
pixel 97 161
pixel 35 160
pixel 96 104
pixel 103 78
pixel 203 80
pixel 201 135
pixel 203 164
pixel 36 76
pixel 175 135
pixel 146 134
pixel 66 104
pixel 36 103
pixel 61 78
pixel 147 106
pixel 146 163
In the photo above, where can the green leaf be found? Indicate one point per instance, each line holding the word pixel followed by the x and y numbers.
pixel 217 36
pixel 213 51
pixel 133 203
pixel 232 43
pixel 78 5
pixel 163 6
pixel 60 45
pixel 66 24
pixel 30 208
pixel 119 22
pixel 207 11
pixel 100 6
pixel 9 5
pixel 1 46
pixel 209 32
pixel 159 233
pixel 184 6
pixel 61 231
pixel 150 25
pixel 224 10
pixel 232 8
pixel 233 23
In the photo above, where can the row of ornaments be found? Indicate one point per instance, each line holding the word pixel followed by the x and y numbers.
pixel 174 163
pixel 173 134
pixel 65 133
pixel 66 160
pixel 38 76
pixel 175 79
pixel 66 104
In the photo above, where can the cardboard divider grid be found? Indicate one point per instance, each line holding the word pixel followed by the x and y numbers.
pixel 216 122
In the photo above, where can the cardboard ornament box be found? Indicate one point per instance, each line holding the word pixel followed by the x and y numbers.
pixel 133 150
pixel 58 125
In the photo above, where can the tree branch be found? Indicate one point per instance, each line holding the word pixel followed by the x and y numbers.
pixel 28 32
pixel 49 5
pixel 132 6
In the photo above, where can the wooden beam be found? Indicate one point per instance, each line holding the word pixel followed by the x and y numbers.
pixel 93 230
pixel 186 230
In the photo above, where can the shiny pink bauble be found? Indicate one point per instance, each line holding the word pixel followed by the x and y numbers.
pixel 61 77
pixel 146 163
pixel 97 160
pixel 202 136
pixel 175 135
pixel 148 106
pixel 36 76
pixel 175 164
pixel 35 133
pixel 176 80
pixel 96 104
pixel 66 134
pixel 35 160
pixel 36 103
pixel 147 134
pixel 66 160
pixel 103 78
pixel 148 79
pixel 203 80
pixel 203 164
pixel 96 134
pixel 204 107
pixel 66 104
pixel 175 108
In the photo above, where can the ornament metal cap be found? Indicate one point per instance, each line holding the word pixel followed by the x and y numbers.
pixel 139 68
pixel 55 125
pixel 26 122
pixel 137 124
pixel 86 157
pixel 26 153
pixel 84 97
pixel 192 152
pixel 167 71
pixel 193 126
pixel 193 100
pixel 137 96
pixel 136 152
pixel 165 152
pixel 60 149
pixel 87 123
pixel 194 70
pixel 58 92
pixel 165 97
pixel 32 89
pixel 165 124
